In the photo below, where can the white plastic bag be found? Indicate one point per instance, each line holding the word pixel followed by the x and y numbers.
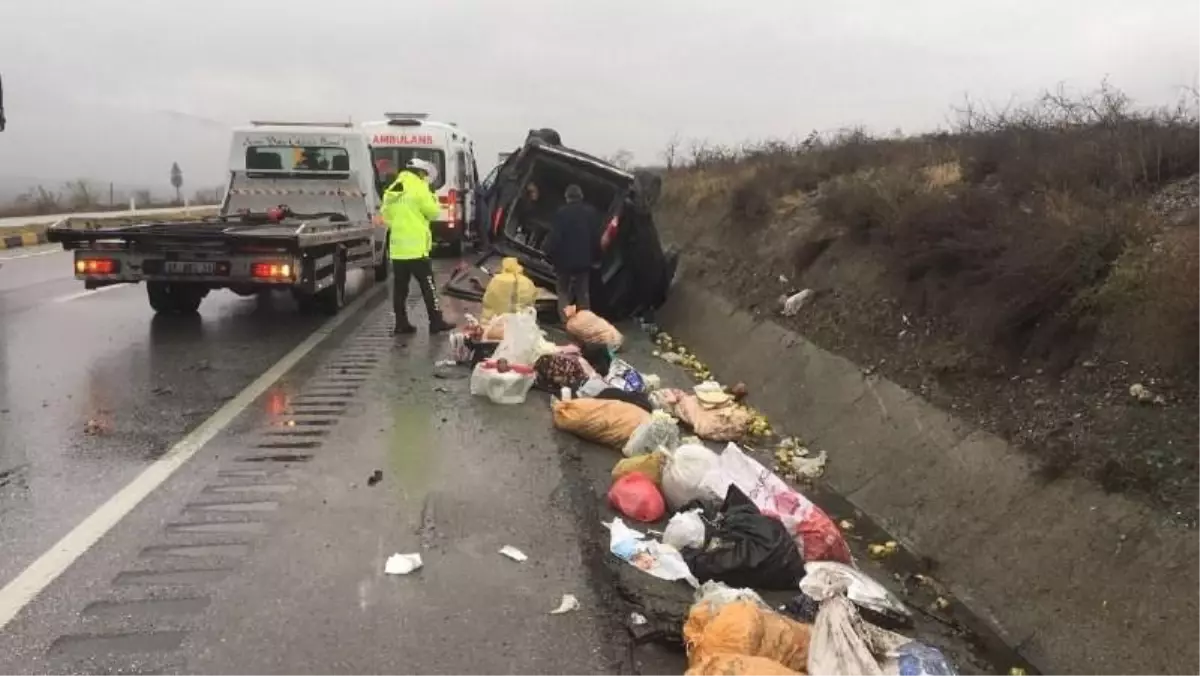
pixel 660 430
pixel 510 387
pixel 843 643
pixel 594 385
pixel 719 594
pixel 683 477
pixel 862 590
pixel 658 559
pixel 522 342
pixel 685 529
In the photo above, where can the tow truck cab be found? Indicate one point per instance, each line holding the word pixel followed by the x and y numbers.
pixel 271 150
pixel 405 136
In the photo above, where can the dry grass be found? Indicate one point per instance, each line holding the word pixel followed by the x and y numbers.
pixel 1008 225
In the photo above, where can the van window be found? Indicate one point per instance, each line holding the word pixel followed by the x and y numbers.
pixel 464 176
pixel 298 161
pixel 396 157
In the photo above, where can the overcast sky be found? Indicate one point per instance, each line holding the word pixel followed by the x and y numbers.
pixel 118 89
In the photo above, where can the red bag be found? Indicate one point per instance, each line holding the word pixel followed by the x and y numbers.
pixel 636 496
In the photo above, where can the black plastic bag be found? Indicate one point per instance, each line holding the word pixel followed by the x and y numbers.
pixel 599 357
pixel 744 548
pixel 636 398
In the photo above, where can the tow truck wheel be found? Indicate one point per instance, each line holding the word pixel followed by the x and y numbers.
pixel 333 297
pixel 383 267
pixel 176 298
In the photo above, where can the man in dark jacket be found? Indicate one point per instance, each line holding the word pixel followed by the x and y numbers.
pixel 572 246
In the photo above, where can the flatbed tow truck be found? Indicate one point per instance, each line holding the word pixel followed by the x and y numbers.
pixel 300 211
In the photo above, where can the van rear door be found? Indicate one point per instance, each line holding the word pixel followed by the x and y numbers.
pixel 634 273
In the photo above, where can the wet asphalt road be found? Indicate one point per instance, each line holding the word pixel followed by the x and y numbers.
pixel 264 553
pixel 93 386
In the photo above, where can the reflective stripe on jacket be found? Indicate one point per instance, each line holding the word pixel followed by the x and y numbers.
pixel 408 207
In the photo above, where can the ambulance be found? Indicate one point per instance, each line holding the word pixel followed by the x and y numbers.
pixel 401 137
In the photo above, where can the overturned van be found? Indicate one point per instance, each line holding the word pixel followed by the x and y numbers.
pixel 522 195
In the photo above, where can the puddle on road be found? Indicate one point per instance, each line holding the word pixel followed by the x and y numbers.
pixel 101 644
pixel 145 607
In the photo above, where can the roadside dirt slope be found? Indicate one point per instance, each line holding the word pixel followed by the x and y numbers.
pixel 1025 273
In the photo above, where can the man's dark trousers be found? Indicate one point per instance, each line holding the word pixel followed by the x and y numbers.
pixel 573 289
pixel 422 270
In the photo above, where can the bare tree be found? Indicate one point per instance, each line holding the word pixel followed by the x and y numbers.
pixel 670 154
pixel 177 182
pixel 622 158
pixel 80 194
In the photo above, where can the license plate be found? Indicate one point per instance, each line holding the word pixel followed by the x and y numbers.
pixel 189 268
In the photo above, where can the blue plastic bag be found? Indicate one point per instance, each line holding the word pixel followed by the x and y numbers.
pixel 623 376
pixel 917 659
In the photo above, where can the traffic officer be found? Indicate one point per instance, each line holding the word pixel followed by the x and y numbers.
pixel 408 207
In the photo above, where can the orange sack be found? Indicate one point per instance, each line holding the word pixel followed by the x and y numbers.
pixel 719 664
pixel 604 421
pixel 590 328
pixel 746 629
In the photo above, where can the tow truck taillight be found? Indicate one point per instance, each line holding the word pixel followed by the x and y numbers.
pixel 97 266
pixel 271 271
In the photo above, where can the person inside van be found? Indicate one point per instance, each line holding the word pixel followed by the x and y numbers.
pixel 408 208
pixel 572 247
pixel 531 214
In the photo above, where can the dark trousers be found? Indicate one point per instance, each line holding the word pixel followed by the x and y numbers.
pixel 402 272
pixel 573 290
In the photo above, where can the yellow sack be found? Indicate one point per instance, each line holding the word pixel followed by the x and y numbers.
pixel 650 464
pixel 720 664
pixel 590 328
pixel 604 421
pixel 509 291
pixel 747 629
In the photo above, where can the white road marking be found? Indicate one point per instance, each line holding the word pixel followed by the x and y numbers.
pixel 56 560
pixel 90 292
pixel 31 254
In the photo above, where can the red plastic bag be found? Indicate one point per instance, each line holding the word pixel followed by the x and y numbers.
pixel 635 496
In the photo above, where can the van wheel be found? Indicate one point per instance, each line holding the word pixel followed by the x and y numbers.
pixel 333 297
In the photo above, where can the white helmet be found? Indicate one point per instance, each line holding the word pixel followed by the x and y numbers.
pixel 428 168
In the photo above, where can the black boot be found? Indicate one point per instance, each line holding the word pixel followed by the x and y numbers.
pixel 439 325
pixel 402 327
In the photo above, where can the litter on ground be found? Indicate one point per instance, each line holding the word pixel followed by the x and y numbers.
pixel 514 553
pixel 402 564
pixel 566 605
pixel 732 526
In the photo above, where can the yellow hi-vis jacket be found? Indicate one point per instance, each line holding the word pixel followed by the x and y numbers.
pixel 408 207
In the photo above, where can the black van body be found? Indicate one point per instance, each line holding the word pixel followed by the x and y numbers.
pixel 635 273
